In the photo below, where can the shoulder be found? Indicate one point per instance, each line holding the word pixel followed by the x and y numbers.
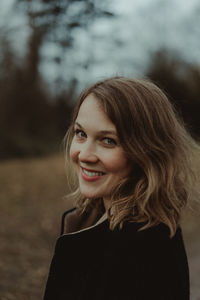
pixel 160 231
pixel 154 246
pixel 153 240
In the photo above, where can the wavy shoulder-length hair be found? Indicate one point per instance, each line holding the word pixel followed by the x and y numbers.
pixel 158 147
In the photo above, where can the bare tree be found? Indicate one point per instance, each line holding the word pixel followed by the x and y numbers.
pixel 30 123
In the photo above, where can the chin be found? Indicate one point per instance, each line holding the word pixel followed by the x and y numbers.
pixel 90 195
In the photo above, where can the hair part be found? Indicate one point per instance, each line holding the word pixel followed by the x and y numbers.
pixel 158 146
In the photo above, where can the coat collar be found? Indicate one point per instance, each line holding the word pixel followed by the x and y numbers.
pixel 77 221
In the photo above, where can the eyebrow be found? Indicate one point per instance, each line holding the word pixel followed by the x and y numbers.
pixel 101 131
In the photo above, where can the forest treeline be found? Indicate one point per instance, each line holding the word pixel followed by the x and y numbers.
pixel 181 82
pixel 33 123
pixel 33 120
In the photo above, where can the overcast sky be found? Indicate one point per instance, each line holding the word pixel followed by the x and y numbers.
pixel 122 45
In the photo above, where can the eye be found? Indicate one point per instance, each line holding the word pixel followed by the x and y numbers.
pixel 109 141
pixel 80 133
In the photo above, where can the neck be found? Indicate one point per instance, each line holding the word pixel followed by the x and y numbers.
pixel 106 202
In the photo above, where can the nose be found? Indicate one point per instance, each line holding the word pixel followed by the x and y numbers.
pixel 88 153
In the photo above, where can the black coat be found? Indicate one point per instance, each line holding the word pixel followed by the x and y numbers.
pixel 126 264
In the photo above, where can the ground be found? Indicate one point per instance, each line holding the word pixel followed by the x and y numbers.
pixel 31 204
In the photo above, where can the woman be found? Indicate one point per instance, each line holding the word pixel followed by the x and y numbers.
pixel 129 164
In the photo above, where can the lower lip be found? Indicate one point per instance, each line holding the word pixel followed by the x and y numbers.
pixel 90 178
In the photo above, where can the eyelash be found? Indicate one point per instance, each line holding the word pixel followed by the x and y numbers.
pixel 113 142
pixel 78 131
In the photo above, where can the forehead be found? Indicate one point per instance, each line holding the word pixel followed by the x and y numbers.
pixel 91 114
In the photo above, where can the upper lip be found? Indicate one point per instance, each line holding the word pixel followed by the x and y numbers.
pixel 91 170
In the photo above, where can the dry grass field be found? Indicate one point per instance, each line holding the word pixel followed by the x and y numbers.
pixel 31 205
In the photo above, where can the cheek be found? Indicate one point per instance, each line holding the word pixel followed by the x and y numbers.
pixel 118 163
pixel 73 152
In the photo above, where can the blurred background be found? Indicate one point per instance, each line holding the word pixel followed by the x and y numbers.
pixel 49 51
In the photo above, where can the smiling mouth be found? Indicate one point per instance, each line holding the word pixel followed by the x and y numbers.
pixel 92 173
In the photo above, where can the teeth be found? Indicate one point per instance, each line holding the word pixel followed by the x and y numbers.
pixel 89 173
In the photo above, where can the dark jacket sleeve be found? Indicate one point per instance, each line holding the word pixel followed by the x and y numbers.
pixel 53 280
pixel 51 289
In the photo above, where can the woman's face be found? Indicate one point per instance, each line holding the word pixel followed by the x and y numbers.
pixel 96 152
